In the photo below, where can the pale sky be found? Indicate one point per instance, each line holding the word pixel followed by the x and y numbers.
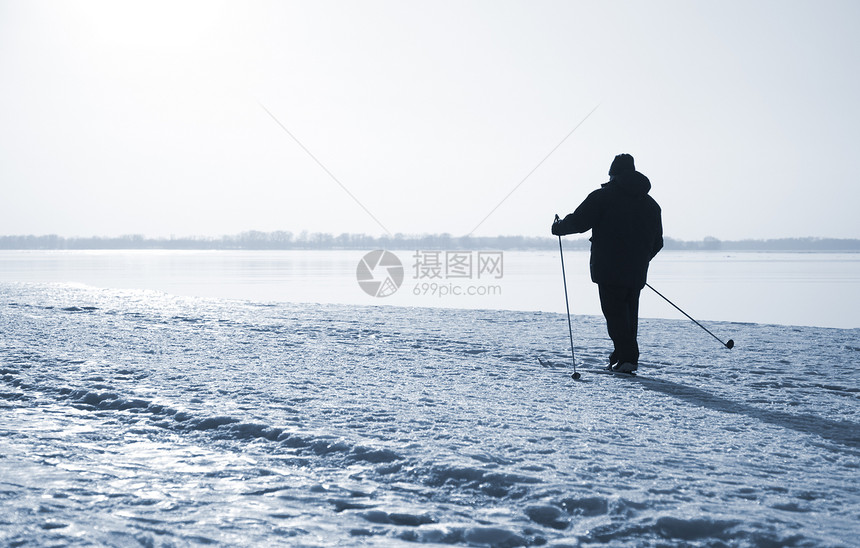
pixel 148 117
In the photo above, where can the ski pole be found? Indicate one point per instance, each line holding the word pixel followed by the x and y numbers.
pixel 730 344
pixel 575 375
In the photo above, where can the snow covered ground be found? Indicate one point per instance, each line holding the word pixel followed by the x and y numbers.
pixel 136 418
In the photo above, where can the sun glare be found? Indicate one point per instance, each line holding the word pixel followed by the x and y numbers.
pixel 154 25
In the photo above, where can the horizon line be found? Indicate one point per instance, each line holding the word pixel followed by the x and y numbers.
pixel 398 235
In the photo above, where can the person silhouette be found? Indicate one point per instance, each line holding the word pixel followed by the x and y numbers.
pixel 626 233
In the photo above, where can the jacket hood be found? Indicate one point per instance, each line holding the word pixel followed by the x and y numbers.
pixel 631 182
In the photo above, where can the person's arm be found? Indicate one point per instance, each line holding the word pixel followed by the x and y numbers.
pixel 582 219
pixel 658 235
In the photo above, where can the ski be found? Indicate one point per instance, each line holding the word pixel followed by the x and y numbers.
pixel 546 362
pixel 613 372
pixel 632 375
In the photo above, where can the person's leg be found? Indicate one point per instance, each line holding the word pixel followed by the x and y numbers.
pixel 633 324
pixel 615 305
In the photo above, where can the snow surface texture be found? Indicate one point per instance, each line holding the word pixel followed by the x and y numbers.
pixel 136 418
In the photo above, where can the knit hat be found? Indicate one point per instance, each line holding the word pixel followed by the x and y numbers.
pixel 621 163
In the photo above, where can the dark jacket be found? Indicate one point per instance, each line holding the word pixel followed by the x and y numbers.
pixel 626 229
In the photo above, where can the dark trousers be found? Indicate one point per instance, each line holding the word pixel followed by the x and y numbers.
pixel 620 307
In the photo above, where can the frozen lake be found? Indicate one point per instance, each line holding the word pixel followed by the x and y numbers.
pixel 817 289
pixel 228 397
pixel 138 418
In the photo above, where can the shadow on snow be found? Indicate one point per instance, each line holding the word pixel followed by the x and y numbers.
pixel 844 433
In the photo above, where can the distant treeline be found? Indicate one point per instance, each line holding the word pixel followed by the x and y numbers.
pixel 256 240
